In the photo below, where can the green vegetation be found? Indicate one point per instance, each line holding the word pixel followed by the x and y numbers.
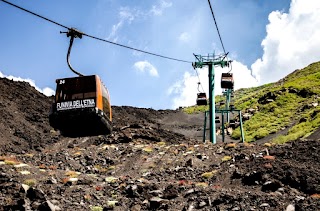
pixel 195 109
pixel 30 182
pixel 96 208
pixel 302 129
pixel 289 106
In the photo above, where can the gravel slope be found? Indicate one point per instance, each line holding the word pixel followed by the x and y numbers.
pixel 151 161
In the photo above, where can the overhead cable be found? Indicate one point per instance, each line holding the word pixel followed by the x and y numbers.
pixel 215 22
pixel 93 37
pixel 135 49
pixel 199 83
pixel 39 16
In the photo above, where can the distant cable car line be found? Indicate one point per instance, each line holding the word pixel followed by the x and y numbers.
pixel 93 37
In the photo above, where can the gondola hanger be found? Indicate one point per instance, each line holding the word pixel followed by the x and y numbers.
pixel 72 33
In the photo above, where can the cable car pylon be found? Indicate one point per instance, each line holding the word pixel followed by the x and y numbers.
pixel 211 61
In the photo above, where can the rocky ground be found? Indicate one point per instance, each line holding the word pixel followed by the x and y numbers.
pixel 152 161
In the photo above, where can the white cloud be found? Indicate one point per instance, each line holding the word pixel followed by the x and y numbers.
pixel 114 30
pixel 185 90
pixel 46 91
pixel 159 8
pixel 292 42
pixel 145 66
pixel 184 37
pixel 126 15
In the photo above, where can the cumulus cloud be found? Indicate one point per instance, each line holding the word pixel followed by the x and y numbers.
pixel 292 42
pixel 185 90
pixel 145 66
pixel 46 91
pixel 160 7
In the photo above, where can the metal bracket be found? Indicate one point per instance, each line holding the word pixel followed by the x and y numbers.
pixel 211 59
pixel 72 33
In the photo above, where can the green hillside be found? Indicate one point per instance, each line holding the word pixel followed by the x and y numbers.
pixel 288 109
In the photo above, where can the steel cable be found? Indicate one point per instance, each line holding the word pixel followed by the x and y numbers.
pixel 93 37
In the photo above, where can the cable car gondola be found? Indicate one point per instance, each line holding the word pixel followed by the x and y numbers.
pixel 82 104
pixel 81 107
pixel 202 98
pixel 227 81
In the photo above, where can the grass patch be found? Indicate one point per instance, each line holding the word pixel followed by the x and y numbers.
pixel 196 109
pixel 30 182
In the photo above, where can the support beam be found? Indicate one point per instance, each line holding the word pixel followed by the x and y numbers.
pixel 241 127
pixel 205 126
pixel 212 105
pixel 222 125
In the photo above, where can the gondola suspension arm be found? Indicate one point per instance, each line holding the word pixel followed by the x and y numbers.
pixel 72 33
pixel 199 87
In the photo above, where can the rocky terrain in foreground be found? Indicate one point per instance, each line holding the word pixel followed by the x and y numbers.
pixel 151 161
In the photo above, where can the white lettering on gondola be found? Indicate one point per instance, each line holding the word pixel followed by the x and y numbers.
pixel 226 79
pixel 88 103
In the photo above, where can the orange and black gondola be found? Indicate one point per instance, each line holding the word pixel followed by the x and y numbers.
pixel 81 107
pixel 82 104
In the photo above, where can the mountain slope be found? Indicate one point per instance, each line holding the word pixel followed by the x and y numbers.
pixel 144 164
pixel 24 117
pixel 291 103
pixel 24 124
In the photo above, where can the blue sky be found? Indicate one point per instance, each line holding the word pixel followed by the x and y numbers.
pixel 268 38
